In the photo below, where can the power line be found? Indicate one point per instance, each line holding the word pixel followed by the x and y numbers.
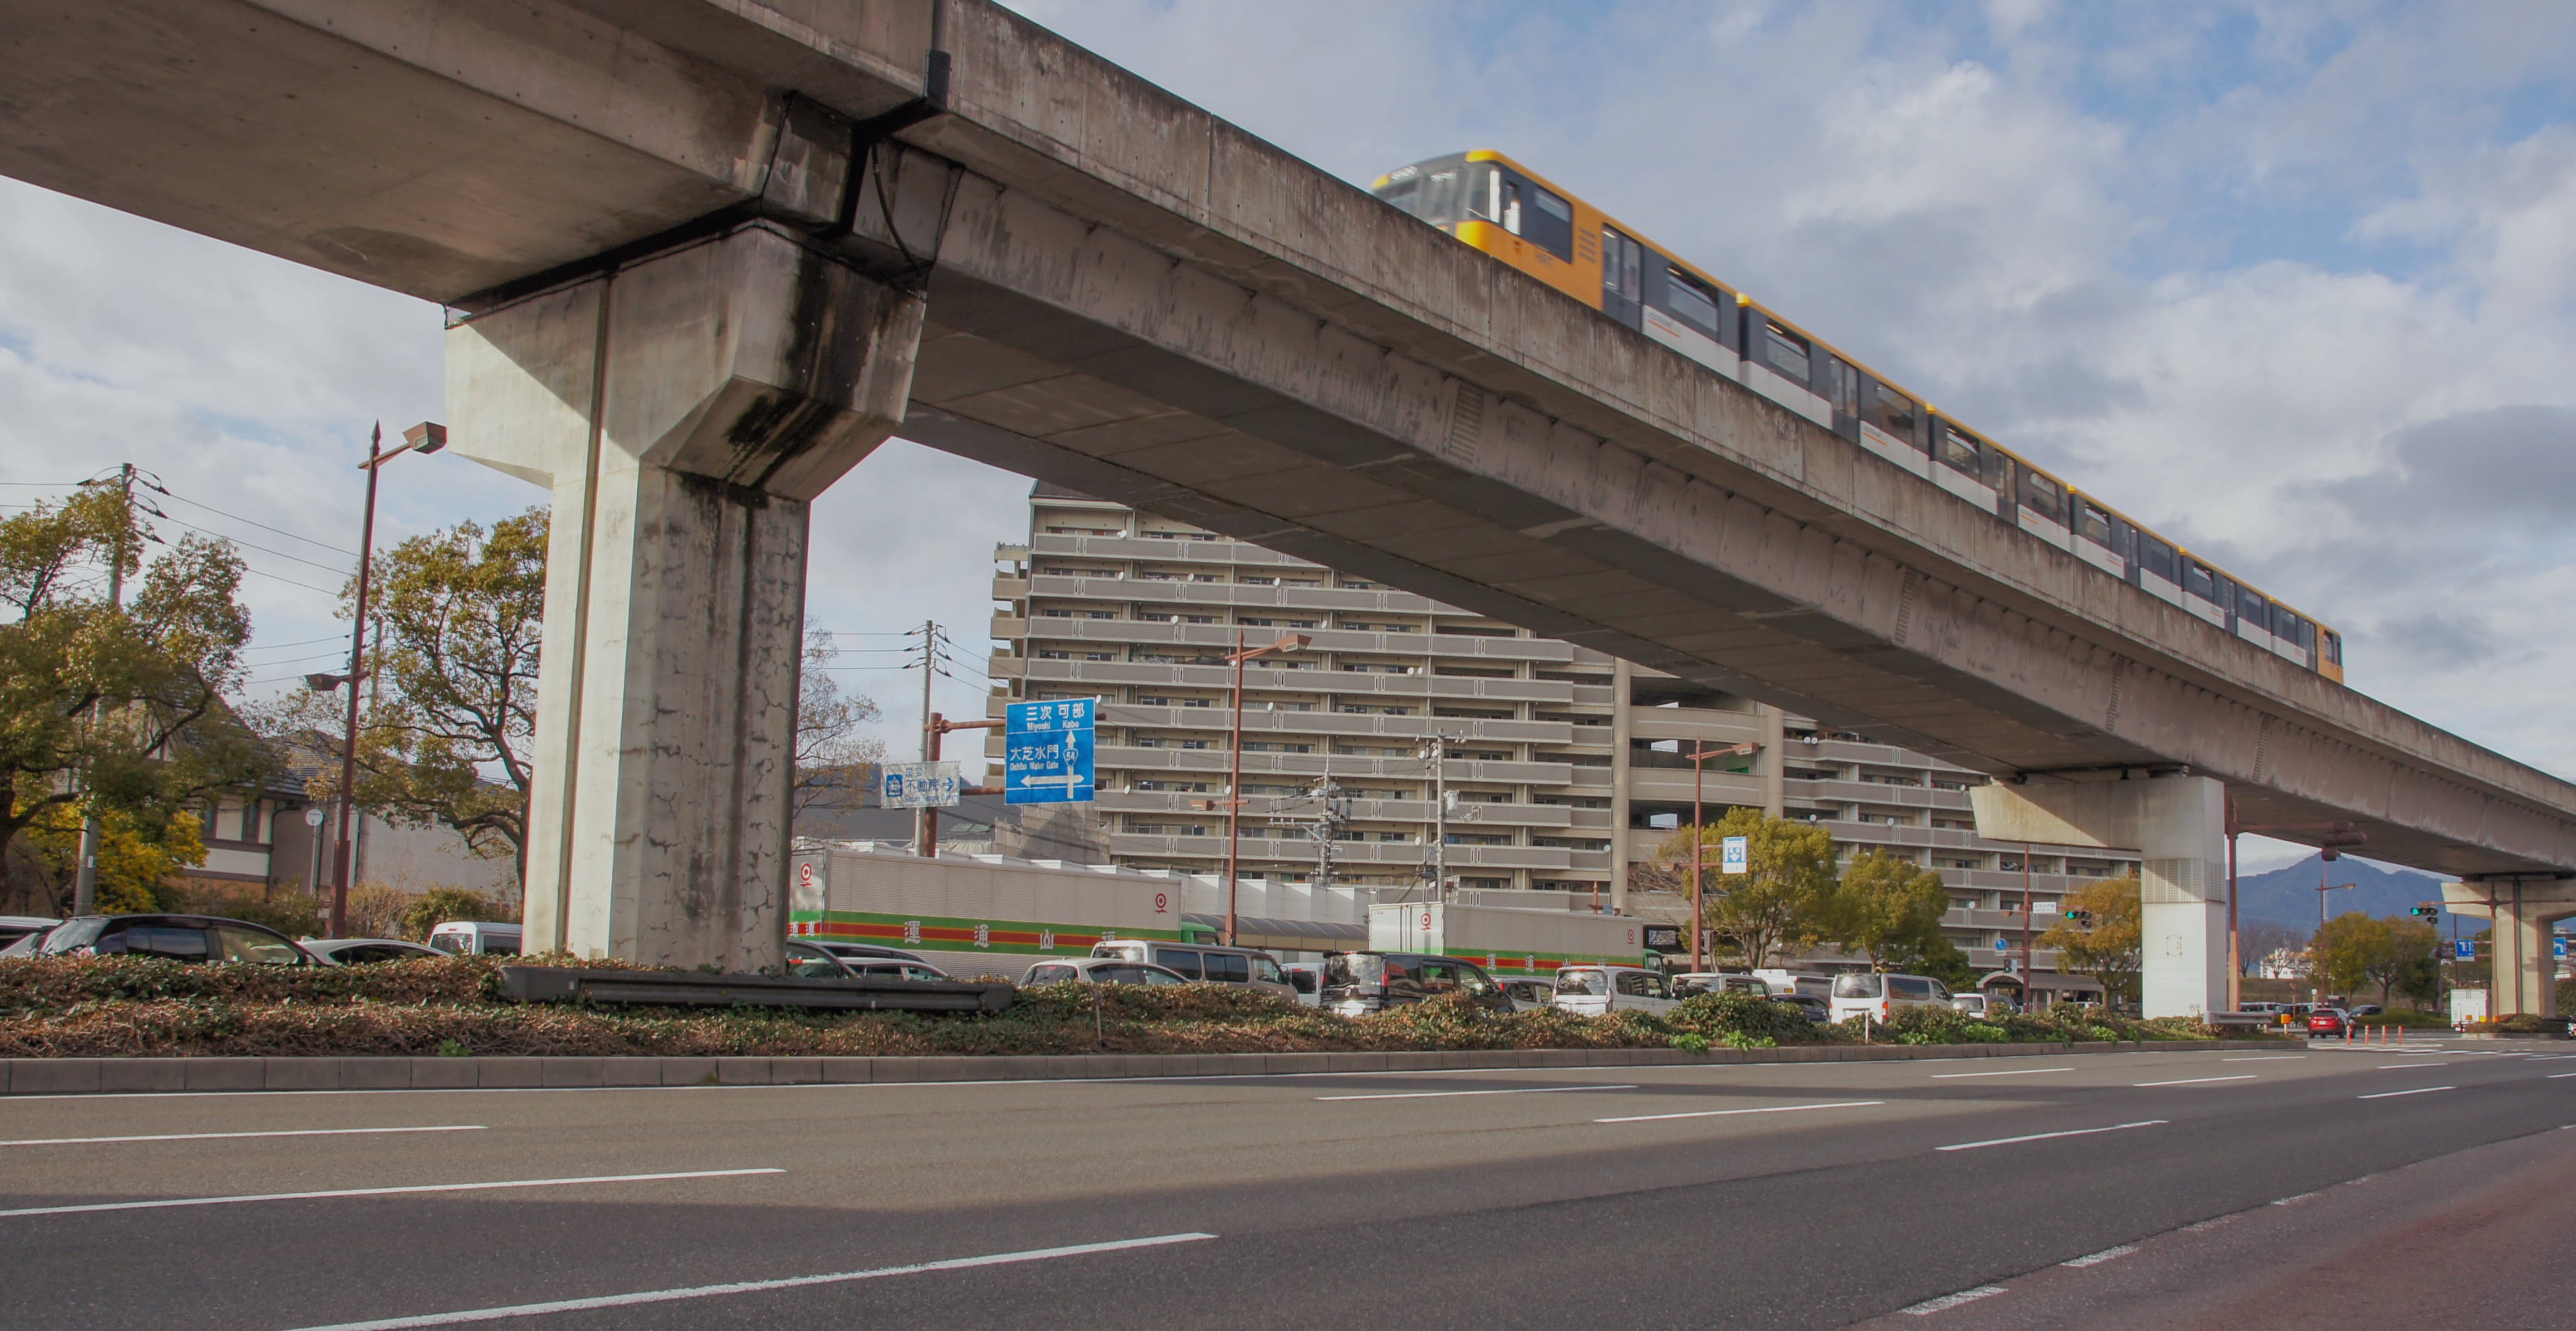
pixel 256 523
pixel 289 581
pixel 235 540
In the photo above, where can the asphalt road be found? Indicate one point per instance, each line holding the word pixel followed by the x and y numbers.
pixel 2343 1187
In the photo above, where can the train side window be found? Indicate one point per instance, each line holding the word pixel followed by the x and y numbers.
pixel 2156 556
pixel 2252 608
pixel 1960 451
pixel 1550 224
pixel 1484 192
pixel 1845 383
pixel 2093 521
pixel 1890 410
pixel 1689 303
pixel 1403 194
pixel 2041 493
pixel 2333 646
pixel 2199 581
pixel 1787 352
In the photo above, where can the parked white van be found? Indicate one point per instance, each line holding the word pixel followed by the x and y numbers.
pixel 1206 961
pixel 1881 995
pixel 1796 982
pixel 467 938
pixel 1714 982
pixel 1595 990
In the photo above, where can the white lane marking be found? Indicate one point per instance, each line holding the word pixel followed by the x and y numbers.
pixel 2195 1081
pixel 379 1192
pixel 2293 1199
pixel 1930 1306
pixel 1722 1113
pixel 1436 1095
pixel 2260 1058
pixel 228 1136
pixel 2008 1072
pixel 2420 1090
pixel 2044 1136
pixel 750 1286
pixel 2556 1075
pixel 2097 1258
pixel 2384 1067
pixel 2203 1226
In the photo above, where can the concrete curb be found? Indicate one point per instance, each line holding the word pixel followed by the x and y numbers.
pixel 104 1076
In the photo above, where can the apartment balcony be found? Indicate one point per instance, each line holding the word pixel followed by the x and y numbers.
pixel 1197 764
pixel 1009 587
pixel 1276 601
pixel 1544 818
pixel 1371 854
pixel 1261 675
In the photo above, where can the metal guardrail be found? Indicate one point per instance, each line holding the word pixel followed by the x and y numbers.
pixel 552 984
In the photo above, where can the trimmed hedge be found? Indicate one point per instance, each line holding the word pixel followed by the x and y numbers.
pixel 133 1006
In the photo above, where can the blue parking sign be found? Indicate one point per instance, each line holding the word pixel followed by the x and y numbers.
pixel 2464 949
pixel 1047 751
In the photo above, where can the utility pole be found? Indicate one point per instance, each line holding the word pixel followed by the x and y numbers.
pixel 925 822
pixel 1329 822
pixel 340 864
pixel 1435 751
pixel 2029 991
pixel 2235 960
pixel 1234 766
pixel 85 881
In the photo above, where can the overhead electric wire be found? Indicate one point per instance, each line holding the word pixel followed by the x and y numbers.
pixel 221 536
pixel 255 522
pixel 290 581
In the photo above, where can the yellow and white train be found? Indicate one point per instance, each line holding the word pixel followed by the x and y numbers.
pixel 1493 203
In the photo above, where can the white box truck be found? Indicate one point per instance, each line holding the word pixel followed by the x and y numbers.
pixel 1508 941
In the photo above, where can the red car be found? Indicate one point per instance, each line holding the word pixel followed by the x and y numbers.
pixel 2328 1021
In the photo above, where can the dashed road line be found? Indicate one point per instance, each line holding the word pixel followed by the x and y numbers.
pixel 2097 1258
pixel 2195 1081
pixel 1930 1306
pixel 2387 1066
pixel 2420 1090
pixel 170 1202
pixel 1723 1113
pixel 2007 1072
pixel 1439 1095
pixel 751 1286
pixel 231 1136
pixel 2044 1136
pixel 2260 1058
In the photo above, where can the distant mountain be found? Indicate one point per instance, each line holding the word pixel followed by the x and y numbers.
pixel 2288 895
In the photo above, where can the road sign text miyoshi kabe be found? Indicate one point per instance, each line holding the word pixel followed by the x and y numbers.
pixel 1047 751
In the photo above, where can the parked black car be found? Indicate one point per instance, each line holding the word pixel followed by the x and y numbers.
pixel 176 937
pixel 1818 1010
pixel 1358 983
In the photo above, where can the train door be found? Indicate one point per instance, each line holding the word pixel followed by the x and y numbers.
pixel 2101 539
pixel 2159 571
pixel 2043 507
pixel 1959 464
pixel 1623 278
pixel 1780 364
pixel 2205 593
pixel 1842 393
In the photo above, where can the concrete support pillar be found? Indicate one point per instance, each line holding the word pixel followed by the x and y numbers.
pixel 2178 825
pixel 1622 729
pixel 2524 913
pixel 683 410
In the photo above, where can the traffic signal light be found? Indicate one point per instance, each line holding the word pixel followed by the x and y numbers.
pixel 2425 911
pixel 2081 917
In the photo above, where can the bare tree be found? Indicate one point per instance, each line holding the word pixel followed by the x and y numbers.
pixel 834 764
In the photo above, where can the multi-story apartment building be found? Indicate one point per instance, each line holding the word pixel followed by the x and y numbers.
pixel 1564 766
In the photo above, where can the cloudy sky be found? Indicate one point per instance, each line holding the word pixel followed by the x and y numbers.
pixel 2295 284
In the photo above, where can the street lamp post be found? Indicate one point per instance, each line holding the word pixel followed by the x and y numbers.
pixel 1699 756
pixel 426 437
pixel 1234 766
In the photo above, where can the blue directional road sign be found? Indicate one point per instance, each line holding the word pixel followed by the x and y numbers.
pixel 1047 751
pixel 2558 947
pixel 918 785
pixel 2464 949
pixel 1735 855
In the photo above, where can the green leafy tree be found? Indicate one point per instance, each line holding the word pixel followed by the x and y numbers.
pixel 2415 962
pixel 1781 901
pixel 2108 946
pixel 117 709
pixel 135 860
pixel 439 905
pixel 444 739
pixel 1885 905
pixel 2349 951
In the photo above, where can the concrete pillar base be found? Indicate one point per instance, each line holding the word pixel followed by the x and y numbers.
pixel 2178 825
pixel 2525 912
pixel 683 410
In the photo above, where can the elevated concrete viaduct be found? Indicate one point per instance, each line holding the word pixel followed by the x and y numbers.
pixel 704 254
